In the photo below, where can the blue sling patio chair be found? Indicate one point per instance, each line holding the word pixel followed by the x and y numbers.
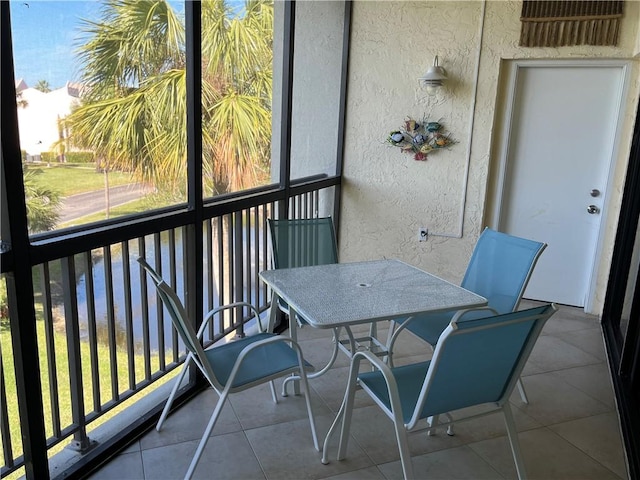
pixel 303 242
pixel 309 242
pixel 499 270
pixel 231 367
pixel 477 361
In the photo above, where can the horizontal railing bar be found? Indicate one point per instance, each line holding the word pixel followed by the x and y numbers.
pixel 66 245
pixel 63 243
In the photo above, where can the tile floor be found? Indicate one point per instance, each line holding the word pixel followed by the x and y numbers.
pixel 569 429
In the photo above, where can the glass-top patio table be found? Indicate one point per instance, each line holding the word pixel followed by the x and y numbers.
pixel 348 294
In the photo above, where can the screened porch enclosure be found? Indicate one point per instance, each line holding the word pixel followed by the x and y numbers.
pixel 88 353
pixel 88 343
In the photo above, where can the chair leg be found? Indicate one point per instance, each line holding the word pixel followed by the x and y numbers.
pixel 206 435
pixel 273 391
pixel 450 431
pixel 403 446
pixel 401 431
pixel 174 390
pixel 347 409
pixel 307 398
pixel 433 422
pixel 513 441
pixel 523 393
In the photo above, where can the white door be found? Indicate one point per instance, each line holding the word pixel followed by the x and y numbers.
pixel 555 170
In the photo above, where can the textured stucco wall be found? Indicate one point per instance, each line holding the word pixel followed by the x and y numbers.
pixel 386 194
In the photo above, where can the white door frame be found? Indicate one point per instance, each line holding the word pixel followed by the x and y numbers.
pixel 503 146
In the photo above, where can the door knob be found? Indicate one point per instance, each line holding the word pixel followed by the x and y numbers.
pixel 595 192
pixel 592 209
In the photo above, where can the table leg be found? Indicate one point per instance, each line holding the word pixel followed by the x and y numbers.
pixel 293 333
pixel 327 438
pixel 273 313
pixel 334 355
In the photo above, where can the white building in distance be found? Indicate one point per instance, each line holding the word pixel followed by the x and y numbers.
pixel 39 115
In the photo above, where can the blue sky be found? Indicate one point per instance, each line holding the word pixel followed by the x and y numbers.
pixel 45 36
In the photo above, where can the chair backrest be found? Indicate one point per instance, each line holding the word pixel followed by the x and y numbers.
pixel 479 361
pixel 303 242
pixel 179 318
pixel 500 268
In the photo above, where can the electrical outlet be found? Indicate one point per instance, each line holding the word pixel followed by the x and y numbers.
pixel 423 233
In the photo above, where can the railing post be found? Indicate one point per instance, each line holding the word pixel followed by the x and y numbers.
pixel 81 441
pixel 238 276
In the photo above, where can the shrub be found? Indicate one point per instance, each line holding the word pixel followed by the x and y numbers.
pixel 79 157
pixel 47 157
pixel 42 204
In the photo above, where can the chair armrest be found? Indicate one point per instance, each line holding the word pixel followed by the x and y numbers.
pixel 211 313
pixel 460 313
pixel 401 326
pixel 389 378
pixel 259 344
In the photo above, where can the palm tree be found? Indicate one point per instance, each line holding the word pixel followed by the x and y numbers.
pixel 134 114
pixel 43 204
pixel 238 52
pixel 43 86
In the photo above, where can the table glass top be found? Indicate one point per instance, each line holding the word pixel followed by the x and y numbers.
pixel 350 293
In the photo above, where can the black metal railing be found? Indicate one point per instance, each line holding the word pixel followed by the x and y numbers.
pixel 103 338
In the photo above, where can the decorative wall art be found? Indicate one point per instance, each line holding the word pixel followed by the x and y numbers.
pixel 420 138
pixel 562 23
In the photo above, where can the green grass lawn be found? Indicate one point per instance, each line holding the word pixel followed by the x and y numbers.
pixel 64 395
pixel 71 178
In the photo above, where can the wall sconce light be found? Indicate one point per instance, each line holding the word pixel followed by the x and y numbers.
pixel 434 78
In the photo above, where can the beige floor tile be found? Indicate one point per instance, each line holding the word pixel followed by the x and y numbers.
pixel 370 473
pixel 331 388
pixel 551 400
pixel 125 465
pixel 286 451
pixel 374 433
pixel 594 380
pixel 589 340
pixel 458 463
pixel 489 426
pixel 598 437
pixel 547 456
pixel 551 353
pixel 255 408
pixel 189 422
pixel 569 319
pixel 225 457
pixel 569 430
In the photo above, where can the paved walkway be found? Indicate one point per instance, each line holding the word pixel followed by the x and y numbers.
pixel 88 203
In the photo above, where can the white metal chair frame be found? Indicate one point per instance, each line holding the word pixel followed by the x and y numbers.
pixel 234 382
pixel 421 417
pixel 535 250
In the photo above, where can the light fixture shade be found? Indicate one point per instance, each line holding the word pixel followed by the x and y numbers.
pixel 434 77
